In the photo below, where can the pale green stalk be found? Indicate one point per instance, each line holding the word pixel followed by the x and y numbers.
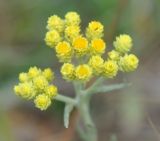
pixel 89 127
pixel 88 131
pixel 65 99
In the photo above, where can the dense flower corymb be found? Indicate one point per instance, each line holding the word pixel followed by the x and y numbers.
pixel 75 49
pixel 35 84
pixel 82 54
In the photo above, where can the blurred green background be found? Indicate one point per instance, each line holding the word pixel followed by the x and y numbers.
pixel 132 114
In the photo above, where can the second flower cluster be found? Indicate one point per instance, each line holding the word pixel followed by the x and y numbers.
pixel 81 53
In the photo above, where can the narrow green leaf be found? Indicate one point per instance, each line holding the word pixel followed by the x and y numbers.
pixel 113 87
pixel 104 89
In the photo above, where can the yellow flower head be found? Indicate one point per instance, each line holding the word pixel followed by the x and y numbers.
pixel 96 62
pixel 113 55
pixel 37 85
pixel 55 23
pixel 67 71
pixel 52 38
pixel 42 102
pixel 128 63
pixel 98 46
pixel 72 32
pixel 25 90
pixel 51 91
pixel 48 74
pixel 23 77
pixel 110 69
pixel 94 30
pixel 64 51
pixel 83 72
pixel 33 72
pixel 80 45
pixel 123 43
pixel 40 83
pixel 72 18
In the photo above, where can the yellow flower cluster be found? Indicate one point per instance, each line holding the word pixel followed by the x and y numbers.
pixel 126 62
pixel 81 72
pixel 81 53
pixel 64 35
pixel 35 84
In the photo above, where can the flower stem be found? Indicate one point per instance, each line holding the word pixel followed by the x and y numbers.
pixel 94 86
pixel 89 127
pixel 66 99
pixel 89 132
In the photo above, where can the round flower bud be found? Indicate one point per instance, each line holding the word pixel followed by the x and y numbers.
pixel 48 74
pixel 72 18
pixel 123 43
pixel 96 63
pixel 67 71
pixel 64 51
pixel 42 102
pixel 55 23
pixel 97 46
pixel 52 38
pixel 33 72
pixel 83 72
pixel 51 91
pixel 40 83
pixel 94 30
pixel 23 77
pixel 110 69
pixel 25 90
pixel 113 55
pixel 72 32
pixel 80 45
pixel 128 63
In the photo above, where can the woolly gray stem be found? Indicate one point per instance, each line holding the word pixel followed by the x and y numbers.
pixel 66 99
pixel 84 108
pixel 91 132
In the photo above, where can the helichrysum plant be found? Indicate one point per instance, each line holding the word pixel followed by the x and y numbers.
pixel 84 58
